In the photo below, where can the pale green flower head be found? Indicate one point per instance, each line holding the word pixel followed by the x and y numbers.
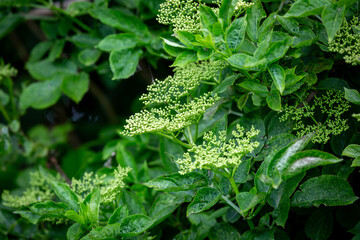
pixel 347 41
pixel 331 104
pixel 217 153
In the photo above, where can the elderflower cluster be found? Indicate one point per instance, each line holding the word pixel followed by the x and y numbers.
pixel 39 190
pixel 357 116
pixel 181 14
pixel 7 71
pixel 169 119
pixel 347 41
pixel 109 189
pixel 241 5
pixel 331 104
pixel 216 152
pixel 185 80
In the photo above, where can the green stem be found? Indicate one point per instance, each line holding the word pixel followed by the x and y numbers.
pixel 5 114
pixel 233 185
pixel 231 204
pixel 173 138
pixel 12 102
pixel 190 135
pixel 256 211
pixel 251 224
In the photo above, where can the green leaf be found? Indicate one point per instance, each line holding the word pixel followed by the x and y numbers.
pixel 290 25
pixel 204 199
pixel 126 159
pixel 236 34
pixel 255 87
pixel 72 215
pixel 244 61
pixel 134 225
pixel 89 56
pixel 79 8
pixel 278 49
pixel 56 50
pixel 352 96
pixel 41 95
pixel 266 26
pixel 163 206
pixel 65 194
pixel 356 162
pixel 122 21
pixel 49 209
pixel 186 38
pixel 132 202
pixel 75 86
pixel 177 182
pixel 226 10
pixel 38 52
pixel 278 75
pixel 45 69
pixel 305 160
pixel 223 231
pixel 327 190
pixel 332 16
pixel 28 215
pixel 242 171
pixel 118 42
pixel 274 100
pixel 94 206
pixel 352 150
pixel 280 161
pixel 304 8
pixel 225 84
pixel 248 200
pixel 185 58
pixel 279 199
pixel 75 232
pixel 119 214
pixel 8 23
pixel 123 63
pixel 207 16
pixel 319 225
pixel 253 18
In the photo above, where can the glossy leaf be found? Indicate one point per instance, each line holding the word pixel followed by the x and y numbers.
pixel 236 34
pixel 333 16
pixel 224 231
pixel 177 182
pixel 327 190
pixel 75 232
pixel 274 100
pixel 290 24
pixel 352 95
pixel 89 57
pixel 94 206
pixel 118 42
pixel 75 86
pixel 134 225
pixel 123 63
pixel 253 17
pixel 185 58
pixel 304 8
pixel 248 200
pixel 352 150
pixel 255 87
pixel 65 194
pixel 164 206
pixel 119 214
pixel 244 61
pixel 278 75
pixel 204 199
pixel 49 209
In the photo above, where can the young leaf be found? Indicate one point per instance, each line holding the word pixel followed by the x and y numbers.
pixel 184 58
pixel 75 232
pixel 163 206
pixel 65 194
pixel 134 225
pixel 290 25
pixel 123 63
pixel 327 190
pixel 304 8
pixel 72 215
pixel 305 160
pixel 119 214
pixel 278 75
pixel 41 95
pixel 352 150
pixel 89 56
pixel 255 87
pixel 75 86
pixel 278 49
pixel 274 100
pixel 248 200
pixel 204 199
pixel 94 206
pixel 236 34
pixel 177 182
pixel 207 16
pixel 226 10
pixel 352 96
pixel 244 61
pixel 49 209
pixel 118 42
pixel 253 18
pixel 225 84
pixel 132 202
pixel 333 16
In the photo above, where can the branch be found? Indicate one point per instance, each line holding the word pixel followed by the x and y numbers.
pixel 308 99
pixel 56 164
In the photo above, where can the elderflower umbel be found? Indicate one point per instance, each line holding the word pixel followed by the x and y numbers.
pixel 108 188
pixel 216 152
pixel 347 41
pixel 185 79
pixel 331 104
pixel 7 71
pixel 39 190
pixel 171 118
pixel 241 5
pixel 182 14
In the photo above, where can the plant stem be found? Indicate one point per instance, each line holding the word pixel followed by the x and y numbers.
pixel 233 185
pixel 173 138
pixel 190 135
pixel 251 224
pixel 4 113
pixel 11 94
pixel 231 204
